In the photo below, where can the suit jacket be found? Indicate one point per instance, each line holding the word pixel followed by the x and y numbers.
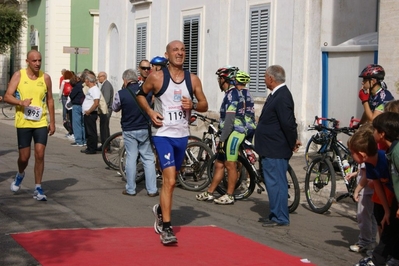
pixel 108 92
pixel 276 133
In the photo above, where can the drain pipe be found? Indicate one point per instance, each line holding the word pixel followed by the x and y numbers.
pixel 324 84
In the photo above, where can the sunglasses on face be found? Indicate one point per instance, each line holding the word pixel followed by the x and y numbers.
pixel 145 68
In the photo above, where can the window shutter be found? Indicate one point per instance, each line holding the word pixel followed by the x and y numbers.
pixel 191 42
pixel 141 42
pixel 258 48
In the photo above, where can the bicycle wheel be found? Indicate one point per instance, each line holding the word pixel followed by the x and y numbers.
pixel 8 111
pixel 139 167
pixel 320 184
pixel 311 151
pixel 192 138
pixel 245 184
pixel 111 148
pixel 294 192
pixel 193 175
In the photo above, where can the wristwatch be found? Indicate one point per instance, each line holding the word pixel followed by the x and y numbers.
pixel 194 106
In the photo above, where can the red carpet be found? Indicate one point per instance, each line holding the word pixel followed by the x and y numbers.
pixel 141 246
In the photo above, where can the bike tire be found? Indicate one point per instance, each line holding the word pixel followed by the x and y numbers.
pixel 320 184
pixel 245 184
pixel 192 138
pixel 193 175
pixel 8 111
pixel 312 150
pixel 110 150
pixel 294 193
pixel 140 176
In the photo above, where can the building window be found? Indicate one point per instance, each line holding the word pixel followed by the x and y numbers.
pixel 191 42
pixel 141 42
pixel 258 48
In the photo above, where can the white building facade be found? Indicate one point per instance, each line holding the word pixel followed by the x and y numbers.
pixel 250 34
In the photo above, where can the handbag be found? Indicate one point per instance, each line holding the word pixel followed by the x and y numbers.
pixel 68 104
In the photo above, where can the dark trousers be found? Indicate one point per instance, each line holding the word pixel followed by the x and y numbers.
pixel 104 127
pixel 91 131
pixel 389 240
pixel 275 177
pixel 69 117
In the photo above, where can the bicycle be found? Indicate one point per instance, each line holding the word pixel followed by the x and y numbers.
pixel 320 180
pixel 111 150
pixel 210 136
pixel 250 176
pixel 313 146
pixel 8 110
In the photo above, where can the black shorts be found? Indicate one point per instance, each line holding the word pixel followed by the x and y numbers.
pixel 25 136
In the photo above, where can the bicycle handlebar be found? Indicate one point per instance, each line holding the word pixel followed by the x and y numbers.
pixel 319 121
pixel 203 118
pixel 345 130
pixel 318 125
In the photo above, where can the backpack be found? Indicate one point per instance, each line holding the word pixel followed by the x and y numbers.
pixel 67 89
pixel 166 79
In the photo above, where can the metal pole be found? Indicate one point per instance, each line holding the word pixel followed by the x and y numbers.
pixel 76 59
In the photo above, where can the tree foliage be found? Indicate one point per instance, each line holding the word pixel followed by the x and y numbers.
pixel 11 22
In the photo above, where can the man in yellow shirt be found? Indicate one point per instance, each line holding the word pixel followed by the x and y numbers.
pixel 30 90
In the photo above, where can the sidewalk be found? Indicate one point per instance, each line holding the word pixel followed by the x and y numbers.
pixel 345 207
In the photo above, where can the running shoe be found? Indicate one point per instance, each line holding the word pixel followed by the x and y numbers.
pixel 168 237
pixel 75 144
pixel 16 184
pixel 205 196
pixel 224 200
pixel 158 219
pixel 39 195
pixel 362 248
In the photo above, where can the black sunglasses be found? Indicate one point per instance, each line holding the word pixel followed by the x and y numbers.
pixel 145 68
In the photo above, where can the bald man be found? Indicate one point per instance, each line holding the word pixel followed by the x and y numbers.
pixel 30 90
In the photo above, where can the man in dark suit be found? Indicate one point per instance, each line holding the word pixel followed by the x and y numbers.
pixel 108 92
pixel 275 140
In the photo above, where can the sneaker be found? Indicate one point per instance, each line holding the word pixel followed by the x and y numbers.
pixel 224 200
pixel 76 144
pixel 16 184
pixel 393 262
pixel 360 248
pixel 204 196
pixel 158 219
pixel 71 137
pixel 365 262
pixel 168 237
pixel 39 195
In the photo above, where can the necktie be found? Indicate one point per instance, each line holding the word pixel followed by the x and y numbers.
pixel 268 97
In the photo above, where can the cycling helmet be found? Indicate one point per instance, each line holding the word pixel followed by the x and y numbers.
pixel 373 71
pixel 242 77
pixel 159 61
pixel 227 72
pixel 321 138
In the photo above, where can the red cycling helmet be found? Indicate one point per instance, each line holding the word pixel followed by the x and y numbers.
pixel 373 71
pixel 227 72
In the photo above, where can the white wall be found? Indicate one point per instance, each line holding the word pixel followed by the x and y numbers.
pixel 388 55
pixel 58 35
pixel 298 30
